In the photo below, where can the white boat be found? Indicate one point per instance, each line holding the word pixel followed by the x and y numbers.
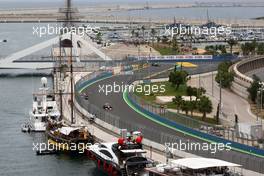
pixel 196 167
pixel 126 157
pixel 44 108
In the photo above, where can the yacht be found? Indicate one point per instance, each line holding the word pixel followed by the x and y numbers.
pixel 196 167
pixel 125 157
pixel 44 108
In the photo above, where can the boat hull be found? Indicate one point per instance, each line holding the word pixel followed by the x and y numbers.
pixel 78 146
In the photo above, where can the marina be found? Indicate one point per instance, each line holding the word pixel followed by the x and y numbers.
pixel 71 103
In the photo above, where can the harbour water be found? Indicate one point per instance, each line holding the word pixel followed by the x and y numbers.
pixel 196 13
pixel 189 12
pixel 20 36
pixel 17 155
pixel 16 148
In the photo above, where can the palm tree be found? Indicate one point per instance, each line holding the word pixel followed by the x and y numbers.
pixel 99 37
pixel 178 102
pixel 175 46
pixel 158 39
pixel 191 92
pixel 231 43
pixel 185 106
pixel 164 39
pixel 133 33
pixel 153 35
pixel 199 92
pixel 143 32
pixel 205 106
pixel 192 105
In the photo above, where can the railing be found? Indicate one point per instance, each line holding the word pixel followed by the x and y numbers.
pixel 248 161
pixel 215 130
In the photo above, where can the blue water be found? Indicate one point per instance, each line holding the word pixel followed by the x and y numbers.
pixel 17 157
pixel 196 13
pixel 16 148
pixel 20 36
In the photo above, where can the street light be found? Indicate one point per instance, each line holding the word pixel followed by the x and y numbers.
pixel 220 96
pixel 260 96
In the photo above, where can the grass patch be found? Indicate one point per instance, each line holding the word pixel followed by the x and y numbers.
pixel 171 91
pixel 164 49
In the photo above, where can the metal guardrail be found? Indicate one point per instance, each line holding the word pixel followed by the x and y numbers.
pixel 216 130
pixel 248 161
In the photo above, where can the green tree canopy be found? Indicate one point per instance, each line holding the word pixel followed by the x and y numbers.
pixel 260 49
pixel 249 47
pixel 178 102
pixel 253 89
pixel 186 107
pixel 178 77
pixel 231 43
pixel 224 77
pixel 205 106
pixel 175 47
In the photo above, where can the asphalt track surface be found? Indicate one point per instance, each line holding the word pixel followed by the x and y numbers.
pixel 127 114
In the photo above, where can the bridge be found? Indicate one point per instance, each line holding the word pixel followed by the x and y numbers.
pixel 12 61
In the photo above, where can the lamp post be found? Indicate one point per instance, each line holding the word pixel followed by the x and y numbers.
pixel 220 98
pixel 260 100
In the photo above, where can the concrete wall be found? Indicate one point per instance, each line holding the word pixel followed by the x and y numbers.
pixel 241 81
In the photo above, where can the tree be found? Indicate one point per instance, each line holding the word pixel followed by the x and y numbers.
pixel 215 49
pixel 260 49
pixel 223 76
pixel 178 102
pixel 164 39
pixel 249 48
pixel 133 33
pixel 158 39
pixel 201 91
pixel 175 47
pixel 143 32
pixel 192 105
pixel 186 107
pixel 136 34
pixel 253 89
pixel 204 106
pixel 231 43
pixel 191 91
pixel 153 35
pixel 99 37
pixel 178 77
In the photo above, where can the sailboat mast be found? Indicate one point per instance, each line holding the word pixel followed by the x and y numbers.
pixel 60 78
pixel 208 17
pixel 71 70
